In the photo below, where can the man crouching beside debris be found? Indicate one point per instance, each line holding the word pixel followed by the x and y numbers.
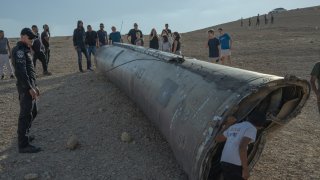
pixel 27 89
pixel 234 160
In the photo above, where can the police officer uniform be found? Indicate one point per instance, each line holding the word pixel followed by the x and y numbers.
pixel 25 74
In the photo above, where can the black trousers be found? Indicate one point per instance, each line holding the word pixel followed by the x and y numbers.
pixel 83 50
pixel 231 171
pixel 28 111
pixel 43 59
pixel 47 53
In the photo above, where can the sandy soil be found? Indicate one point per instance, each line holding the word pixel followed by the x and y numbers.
pixel 97 112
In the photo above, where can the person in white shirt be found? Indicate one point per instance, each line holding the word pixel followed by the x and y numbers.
pixel 234 160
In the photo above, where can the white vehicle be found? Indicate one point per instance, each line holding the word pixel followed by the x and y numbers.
pixel 277 10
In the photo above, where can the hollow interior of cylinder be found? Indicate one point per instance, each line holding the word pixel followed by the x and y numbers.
pixel 278 105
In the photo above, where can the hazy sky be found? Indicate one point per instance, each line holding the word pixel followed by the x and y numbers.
pixel 182 16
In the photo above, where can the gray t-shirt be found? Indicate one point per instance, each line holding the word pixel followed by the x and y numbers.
pixel 3 46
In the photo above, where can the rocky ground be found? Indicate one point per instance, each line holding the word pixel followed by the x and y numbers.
pixel 95 113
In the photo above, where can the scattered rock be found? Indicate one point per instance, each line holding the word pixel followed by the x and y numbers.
pixel 31 176
pixel 100 109
pixel 72 142
pixel 311 41
pixel 125 137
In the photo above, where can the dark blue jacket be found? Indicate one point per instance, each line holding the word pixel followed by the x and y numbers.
pixel 23 67
pixel 79 37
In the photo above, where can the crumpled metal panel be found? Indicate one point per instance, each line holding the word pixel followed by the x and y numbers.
pixel 188 99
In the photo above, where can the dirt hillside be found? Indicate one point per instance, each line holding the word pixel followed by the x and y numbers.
pixel 91 108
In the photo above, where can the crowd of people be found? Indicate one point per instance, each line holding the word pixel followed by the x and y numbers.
pixel 267 19
pixel 86 42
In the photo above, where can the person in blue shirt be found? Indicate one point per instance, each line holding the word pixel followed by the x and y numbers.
pixel 114 36
pixel 226 45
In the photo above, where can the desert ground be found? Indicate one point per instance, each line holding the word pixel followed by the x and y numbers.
pixel 90 107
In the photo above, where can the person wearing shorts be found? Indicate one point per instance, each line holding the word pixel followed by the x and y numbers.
pixel 226 45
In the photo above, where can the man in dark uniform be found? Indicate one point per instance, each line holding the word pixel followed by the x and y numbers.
pixel 27 89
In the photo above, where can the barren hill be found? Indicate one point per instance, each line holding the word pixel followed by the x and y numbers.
pixel 97 112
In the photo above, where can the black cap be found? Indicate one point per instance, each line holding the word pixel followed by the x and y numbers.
pixel 135 24
pixel 28 32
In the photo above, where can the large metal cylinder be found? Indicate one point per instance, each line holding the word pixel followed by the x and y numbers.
pixel 188 100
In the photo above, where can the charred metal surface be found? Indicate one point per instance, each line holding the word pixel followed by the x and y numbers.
pixel 188 100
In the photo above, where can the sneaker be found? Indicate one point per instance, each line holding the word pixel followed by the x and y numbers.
pixel 2 77
pixel 90 69
pixel 29 149
pixel 47 73
pixel 81 71
pixel 11 77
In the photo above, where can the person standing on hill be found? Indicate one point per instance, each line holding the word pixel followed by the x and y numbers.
pixel 92 41
pixel 249 22
pixel 4 55
pixel 154 39
pixel 241 23
pixel 167 29
pixel 114 36
pixel 226 45
pixel 315 76
pixel 39 52
pixel 176 46
pixel 272 19
pixel 45 36
pixel 27 89
pixel 258 20
pixel 234 158
pixel 103 36
pixel 265 19
pixel 132 34
pixel 79 36
pixel 214 47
